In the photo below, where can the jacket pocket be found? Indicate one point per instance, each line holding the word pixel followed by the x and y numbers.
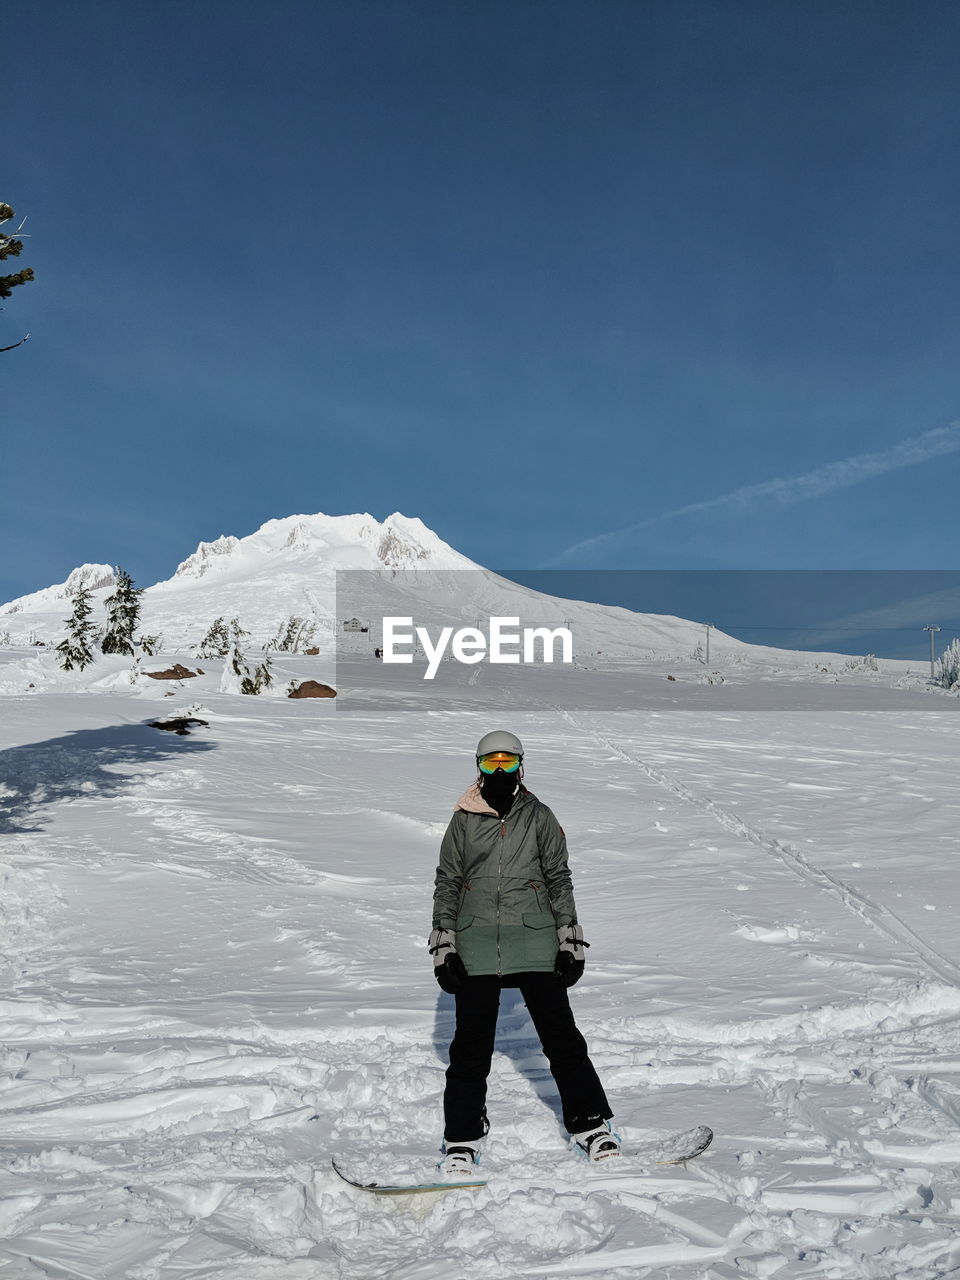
pixel 464 923
pixel 538 920
pixel 538 941
pixel 477 945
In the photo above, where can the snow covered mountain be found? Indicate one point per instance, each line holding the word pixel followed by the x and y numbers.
pixel 338 542
pixel 290 566
pixel 92 576
pixel 287 566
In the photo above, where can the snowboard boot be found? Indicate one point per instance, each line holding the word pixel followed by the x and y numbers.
pixel 600 1143
pixel 460 1159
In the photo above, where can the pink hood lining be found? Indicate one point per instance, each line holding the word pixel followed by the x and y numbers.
pixel 473 802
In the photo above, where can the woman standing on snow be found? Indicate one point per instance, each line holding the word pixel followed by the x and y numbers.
pixel 504 916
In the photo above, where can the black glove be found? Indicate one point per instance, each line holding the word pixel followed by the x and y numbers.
pixel 451 974
pixel 569 964
pixel 568 968
pixel 448 968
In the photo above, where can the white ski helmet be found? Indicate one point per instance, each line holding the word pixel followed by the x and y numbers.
pixel 499 740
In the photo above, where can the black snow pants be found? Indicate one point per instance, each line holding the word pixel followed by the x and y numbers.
pixel 584 1103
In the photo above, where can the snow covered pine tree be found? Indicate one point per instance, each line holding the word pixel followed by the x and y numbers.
pixel 123 614
pixel 216 643
pixel 75 650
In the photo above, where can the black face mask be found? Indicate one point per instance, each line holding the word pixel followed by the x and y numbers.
pixel 499 788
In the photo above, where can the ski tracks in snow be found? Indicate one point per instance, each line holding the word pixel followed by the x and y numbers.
pixel 877 1134
pixel 877 915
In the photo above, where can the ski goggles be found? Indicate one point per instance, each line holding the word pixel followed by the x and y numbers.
pixel 495 760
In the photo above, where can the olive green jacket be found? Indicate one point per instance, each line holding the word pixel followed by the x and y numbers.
pixel 504 885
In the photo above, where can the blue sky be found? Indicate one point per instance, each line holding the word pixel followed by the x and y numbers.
pixel 585 285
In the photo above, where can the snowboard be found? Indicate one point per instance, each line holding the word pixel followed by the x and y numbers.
pixel 407 1189
pixel 677 1148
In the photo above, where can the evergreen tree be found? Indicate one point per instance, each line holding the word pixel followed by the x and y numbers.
pixel 262 676
pixel 237 675
pixel 75 650
pixel 10 247
pixel 123 614
pixel 236 632
pixel 235 663
pixel 293 635
pixel 216 643
pixel 947 667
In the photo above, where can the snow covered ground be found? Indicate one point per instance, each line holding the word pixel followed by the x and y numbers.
pixel 215 975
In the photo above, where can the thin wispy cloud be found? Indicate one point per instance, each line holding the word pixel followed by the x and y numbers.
pixel 912 613
pixel 787 491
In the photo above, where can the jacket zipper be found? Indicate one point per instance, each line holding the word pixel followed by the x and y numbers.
pixel 535 887
pixel 499 883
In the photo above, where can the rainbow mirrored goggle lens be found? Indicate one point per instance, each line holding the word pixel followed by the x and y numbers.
pixel 495 760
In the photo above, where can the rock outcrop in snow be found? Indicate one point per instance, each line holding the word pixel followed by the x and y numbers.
pixel 312 689
pixel 196 566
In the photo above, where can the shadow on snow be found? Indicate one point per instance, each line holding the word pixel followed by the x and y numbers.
pixel 87 764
